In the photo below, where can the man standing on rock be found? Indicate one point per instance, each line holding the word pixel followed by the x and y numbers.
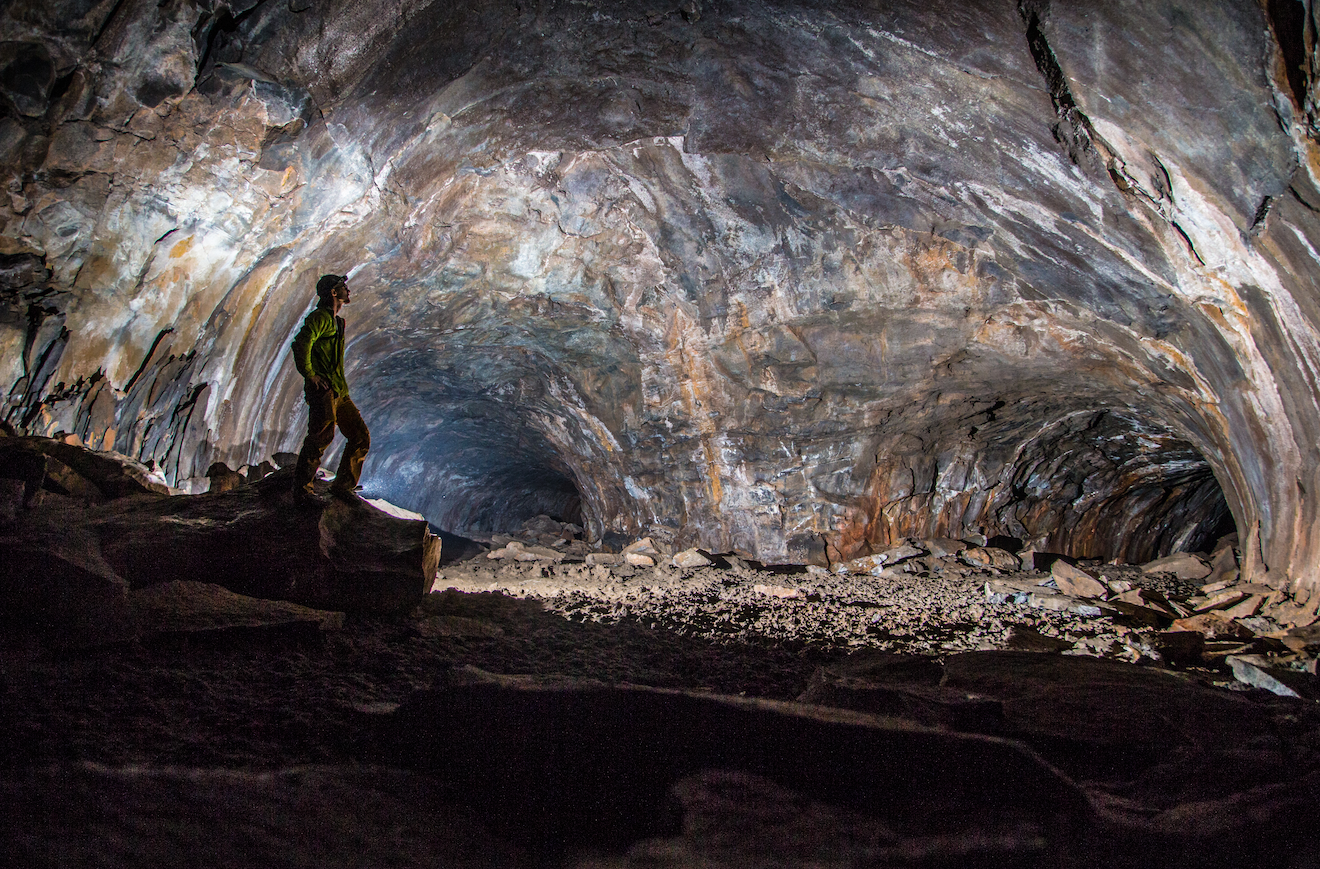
pixel 318 351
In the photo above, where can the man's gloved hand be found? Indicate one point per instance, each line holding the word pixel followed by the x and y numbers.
pixel 319 382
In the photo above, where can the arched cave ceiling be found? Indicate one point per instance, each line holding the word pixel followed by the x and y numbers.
pixel 788 278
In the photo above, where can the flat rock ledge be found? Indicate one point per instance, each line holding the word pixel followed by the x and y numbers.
pixel 509 770
pixel 84 529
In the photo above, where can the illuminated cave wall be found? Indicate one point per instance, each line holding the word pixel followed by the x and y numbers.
pixel 789 278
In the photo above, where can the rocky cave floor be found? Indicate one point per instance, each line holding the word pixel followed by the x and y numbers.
pixel 264 698
pixel 291 726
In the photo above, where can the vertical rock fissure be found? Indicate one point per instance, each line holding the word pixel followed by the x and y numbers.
pixel 146 360
pixel 1073 128
pixel 1288 20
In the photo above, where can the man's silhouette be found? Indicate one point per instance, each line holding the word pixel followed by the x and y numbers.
pixel 318 351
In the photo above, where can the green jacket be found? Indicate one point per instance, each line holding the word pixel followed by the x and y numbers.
pixel 319 349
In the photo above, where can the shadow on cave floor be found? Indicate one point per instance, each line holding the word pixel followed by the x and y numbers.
pixel 265 702
pixel 357 707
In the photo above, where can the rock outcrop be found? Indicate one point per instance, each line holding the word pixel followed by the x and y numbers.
pixel 562 765
pixel 78 546
pixel 793 279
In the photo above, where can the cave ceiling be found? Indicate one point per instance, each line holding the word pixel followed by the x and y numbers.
pixel 793 279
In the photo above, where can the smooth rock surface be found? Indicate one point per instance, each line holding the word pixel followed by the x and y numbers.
pixel 183 608
pixel 580 763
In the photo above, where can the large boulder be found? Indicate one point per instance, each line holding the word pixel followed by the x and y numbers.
pixel 182 609
pixel 70 470
pixel 561 764
pixel 54 581
pixel 257 540
pixel 87 526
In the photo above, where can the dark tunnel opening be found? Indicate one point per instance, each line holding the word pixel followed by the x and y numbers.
pixel 1107 485
pixel 460 436
pixel 476 475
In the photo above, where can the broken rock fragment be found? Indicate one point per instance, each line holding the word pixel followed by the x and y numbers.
pixel 1223 566
pixel 1220 600
pixel 1075 581
pixel 1182 648
pixel 874 564
pixel 1183 565
pixel 1246 608
pixel 1026 592
pixel 991 557
pixel 1251 671
pixel 1214 625
pixel 690 559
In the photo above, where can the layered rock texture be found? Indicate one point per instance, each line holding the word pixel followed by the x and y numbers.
pixel 795 279
pixel 81 531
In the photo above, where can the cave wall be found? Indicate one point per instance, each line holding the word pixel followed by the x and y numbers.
pixel 790 278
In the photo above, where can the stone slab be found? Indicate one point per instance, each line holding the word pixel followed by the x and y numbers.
pixel 587 763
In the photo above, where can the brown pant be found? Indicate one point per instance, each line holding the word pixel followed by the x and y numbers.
pixel 325 411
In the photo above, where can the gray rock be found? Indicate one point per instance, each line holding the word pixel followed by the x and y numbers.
pixel 1251 673
pixel 991 557
pixel 185 608
pixel 1183 565
pixel 1074 581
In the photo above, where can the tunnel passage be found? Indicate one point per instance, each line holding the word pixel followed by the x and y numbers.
pixel 1087 484
pixel 459 433
pixel 476 471
pixel 1105 485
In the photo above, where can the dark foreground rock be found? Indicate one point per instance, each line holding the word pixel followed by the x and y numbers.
pixel 311 818
pixel 199 611
pixel 257 540
pixel 569 764
pixel 84 528
pixel 383 745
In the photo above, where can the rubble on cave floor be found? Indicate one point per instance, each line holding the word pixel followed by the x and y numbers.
pixel 924 660
pixel 936 597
